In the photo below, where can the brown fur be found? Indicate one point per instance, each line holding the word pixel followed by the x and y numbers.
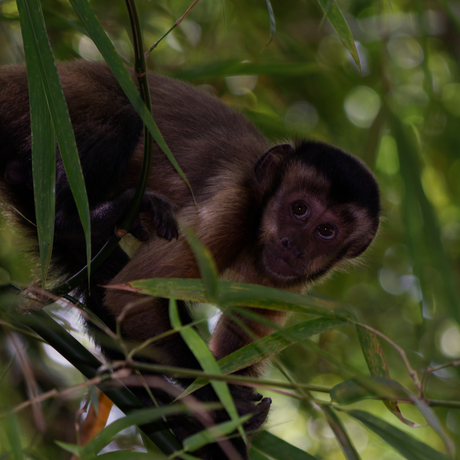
pixel 244 192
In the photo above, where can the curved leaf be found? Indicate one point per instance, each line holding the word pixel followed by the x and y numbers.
pixel 406 445
pixel 337 20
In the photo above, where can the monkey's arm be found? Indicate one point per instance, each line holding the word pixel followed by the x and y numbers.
pixel 106 215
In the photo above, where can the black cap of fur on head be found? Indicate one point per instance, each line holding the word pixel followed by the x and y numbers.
pixel 351 181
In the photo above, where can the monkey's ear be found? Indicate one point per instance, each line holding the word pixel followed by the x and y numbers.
pixel 267 164
pixel 359 246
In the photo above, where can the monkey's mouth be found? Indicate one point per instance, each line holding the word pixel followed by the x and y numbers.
pixel 280 267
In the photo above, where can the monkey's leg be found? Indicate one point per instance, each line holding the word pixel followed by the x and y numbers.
pixel 150 317
pixel 233 332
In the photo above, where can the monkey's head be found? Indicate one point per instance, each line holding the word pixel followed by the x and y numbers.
pixel 322 208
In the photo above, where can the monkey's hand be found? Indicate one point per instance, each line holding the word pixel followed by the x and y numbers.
pixel 105 216
pixel 245 401
pixel 163 218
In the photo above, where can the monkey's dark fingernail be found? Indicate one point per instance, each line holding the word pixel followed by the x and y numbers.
pixel 142 234
pixel 264 405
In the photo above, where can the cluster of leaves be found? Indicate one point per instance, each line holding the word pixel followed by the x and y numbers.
pixel 382 83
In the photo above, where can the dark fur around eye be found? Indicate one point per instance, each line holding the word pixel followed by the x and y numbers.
pixel 299 209
pixel 326 231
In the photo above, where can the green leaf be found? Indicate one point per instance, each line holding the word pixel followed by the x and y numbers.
pixel 236 294
pixel 277 449
pixel 208 269
pixel 422 227
pixel 137 417
pixel 269 345
pixel 206 360
pixel 208 436
pixel 360 388
pixel 38 52
pixel 337 20
pixel 236 67
pixel 125 455
pixel 43 163
pixel 402 442
pixel 376 363
pixel 272 22
pixel 434 422
pixel 106 48
pixel 372 351
pixel 340 433
pixel 13 434
pixel 5 277
pixel 72 448
pixel 275 342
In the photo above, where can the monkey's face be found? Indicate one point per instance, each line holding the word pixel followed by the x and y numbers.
pixel 303 234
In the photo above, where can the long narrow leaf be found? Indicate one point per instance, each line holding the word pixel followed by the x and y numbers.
pixel 236 294
pixel 233 67
pixel 43 162
pixel 337 20
pixel 406 445
pixel 376 363
pixel 106 48
pixel 340 433
pixel 208 270
pixel 138 417
pixel 204 437
pixel 36 42
pixel 277 449
pixel 270 345
pixel 207 362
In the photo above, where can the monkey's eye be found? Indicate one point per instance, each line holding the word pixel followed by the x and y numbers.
pixel 299 209
pixel 326 231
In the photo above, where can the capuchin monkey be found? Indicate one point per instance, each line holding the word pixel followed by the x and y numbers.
pixel 282 216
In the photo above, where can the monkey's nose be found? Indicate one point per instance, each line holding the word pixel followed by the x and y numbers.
pixel 285 243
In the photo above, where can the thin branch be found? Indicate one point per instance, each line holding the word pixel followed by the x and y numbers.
pixel 147 54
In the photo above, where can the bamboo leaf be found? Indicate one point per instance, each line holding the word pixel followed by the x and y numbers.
pixel 125 455
pixel 376 363
pixel 268 346
pixel 423 231
pixel 37 48
pixel 106 48
pixel 340 433
pixel 406 445
pixel 434 422
pixel 275 342
pixel 272 22
pixel 207 362
pixel 235 67
pixel 138 417
pixel 277 449
pixel 43 163
pixel 236 294
pixel 208 269
pixel 338 21
pixel 360 388
pixel 208 436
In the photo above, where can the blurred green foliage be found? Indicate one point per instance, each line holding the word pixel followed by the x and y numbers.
pixel 400 114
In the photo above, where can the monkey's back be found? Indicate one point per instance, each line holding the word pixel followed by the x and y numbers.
pixel 193 123
pixel 109 136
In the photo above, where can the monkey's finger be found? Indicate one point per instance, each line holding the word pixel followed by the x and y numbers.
pixel 168 232
pixel 260 413
pixel 246 394
pixel 141 233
